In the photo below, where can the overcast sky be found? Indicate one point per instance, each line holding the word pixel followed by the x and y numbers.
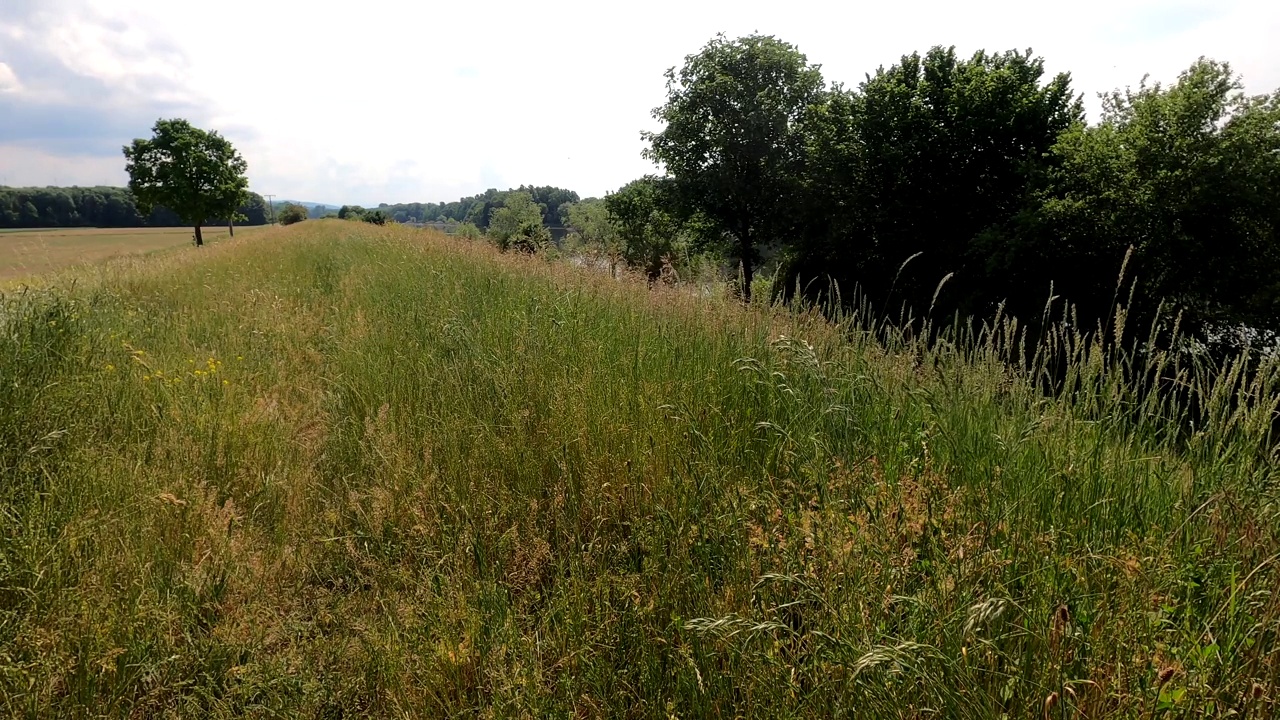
pixel 400 101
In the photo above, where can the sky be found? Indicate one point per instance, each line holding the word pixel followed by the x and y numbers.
pixel 425 101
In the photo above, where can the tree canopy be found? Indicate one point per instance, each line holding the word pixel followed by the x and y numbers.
pixel 196 173
pixel 1188 177
pixel 733 140
pixel 913 170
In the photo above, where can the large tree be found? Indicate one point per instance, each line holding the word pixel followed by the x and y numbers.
pixel 195 173
pixel 733 142
pixel 913 175
pixel 1183 178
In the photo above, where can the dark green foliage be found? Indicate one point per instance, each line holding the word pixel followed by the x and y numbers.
pixel 196 173
pixel 376 217
pixel 647 231
pixel 291 214
pixel 30 207
pixel 1188 176
pixel 733 142
pixel 947 186
pixel 909 173
pixel 350 212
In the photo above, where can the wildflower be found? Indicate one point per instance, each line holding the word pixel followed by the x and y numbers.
pixel 224 382
pixel 111 368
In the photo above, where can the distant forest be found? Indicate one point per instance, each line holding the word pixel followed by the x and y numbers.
pixel 478 209
pixel 53 207
pixel 103 206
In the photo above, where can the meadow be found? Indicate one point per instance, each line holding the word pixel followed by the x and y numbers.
pixel 340 470
pixel 24 253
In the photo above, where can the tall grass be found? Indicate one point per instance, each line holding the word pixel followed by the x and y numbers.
pixel 339 470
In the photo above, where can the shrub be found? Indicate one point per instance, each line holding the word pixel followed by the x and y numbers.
pixel 291 214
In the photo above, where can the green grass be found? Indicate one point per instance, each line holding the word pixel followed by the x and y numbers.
pixel 337 470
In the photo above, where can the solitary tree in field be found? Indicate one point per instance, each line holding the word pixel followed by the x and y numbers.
pixel 733 141
pixel 196 174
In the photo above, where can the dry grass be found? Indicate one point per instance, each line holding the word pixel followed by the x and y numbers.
pixel 24 253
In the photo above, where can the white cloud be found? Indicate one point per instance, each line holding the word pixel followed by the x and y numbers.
pixel 8 79
pixel 392 101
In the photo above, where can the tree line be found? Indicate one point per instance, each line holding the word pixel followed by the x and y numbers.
pixel 947 186
pixel 478 209
pixel 102 206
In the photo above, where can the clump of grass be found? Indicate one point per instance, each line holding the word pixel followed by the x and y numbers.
pixel 349 470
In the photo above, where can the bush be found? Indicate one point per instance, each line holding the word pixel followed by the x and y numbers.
pixel 531 237
pixel 291 214
pixel 469 230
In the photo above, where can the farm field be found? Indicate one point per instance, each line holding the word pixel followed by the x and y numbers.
pixel 30 252
pixel 340 470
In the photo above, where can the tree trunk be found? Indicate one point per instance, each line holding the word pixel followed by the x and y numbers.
pixel 231 227
pixel 748 267
pixel 199 237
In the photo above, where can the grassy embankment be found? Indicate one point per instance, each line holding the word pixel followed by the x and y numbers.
pixel 339 470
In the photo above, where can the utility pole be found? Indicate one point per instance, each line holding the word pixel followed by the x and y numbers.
pixel 271 208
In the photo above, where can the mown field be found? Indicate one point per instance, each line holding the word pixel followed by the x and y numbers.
pixel 336 470
pixel 24 253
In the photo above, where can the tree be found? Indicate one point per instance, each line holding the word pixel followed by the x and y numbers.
pixel 376 217
pixel 292 213
pixel 254 210
pixel 1188 176
pixel 914 177
pixel 518 223
pixel 646 231
pixel 734 142
pixel 591 227
pixel 197 174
